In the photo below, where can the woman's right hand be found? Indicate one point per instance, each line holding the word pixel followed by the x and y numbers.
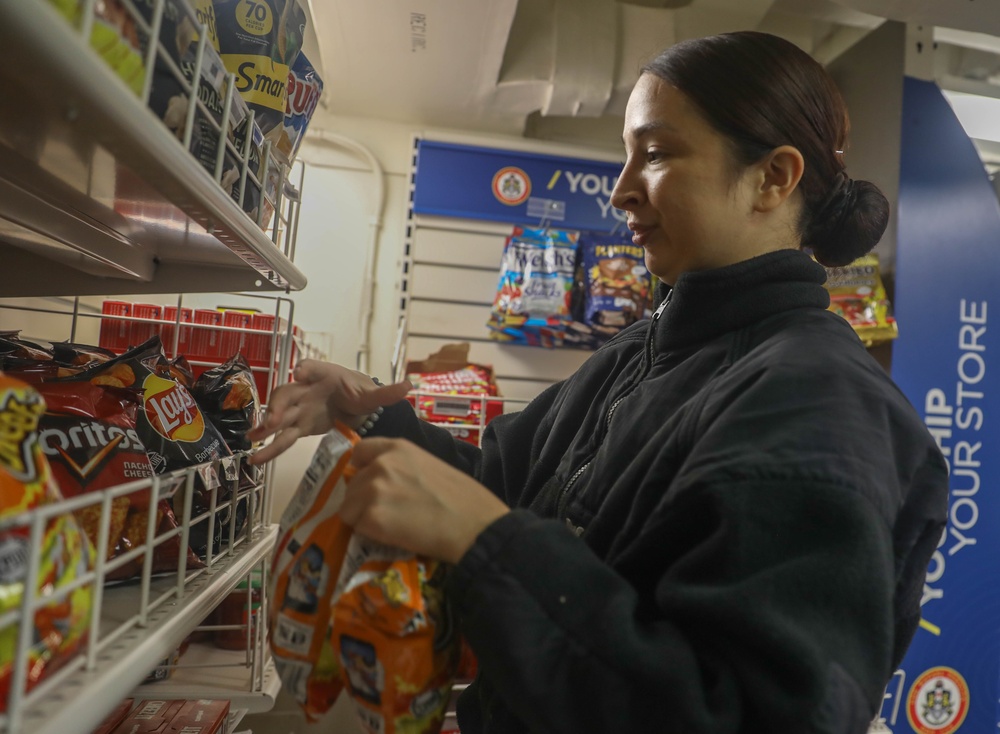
pixel 320 394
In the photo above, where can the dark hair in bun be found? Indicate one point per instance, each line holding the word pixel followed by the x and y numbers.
pixel 761 91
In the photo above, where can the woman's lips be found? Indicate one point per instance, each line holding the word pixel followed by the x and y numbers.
pixel 640 234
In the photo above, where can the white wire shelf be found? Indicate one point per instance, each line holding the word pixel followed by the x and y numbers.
pixel 135 625
pixel 80 701
pixel 97 196
pixel 205 671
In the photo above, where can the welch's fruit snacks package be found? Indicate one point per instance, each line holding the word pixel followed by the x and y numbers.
pixel 532 303
pixel 305 87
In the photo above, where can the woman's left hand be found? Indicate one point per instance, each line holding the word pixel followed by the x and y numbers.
pixel 403 496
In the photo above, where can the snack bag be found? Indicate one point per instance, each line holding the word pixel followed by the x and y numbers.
pixel 857 294
pixel 65 554
pixel 616 287
pixel 532 304
pixel 460 387
pixel 347 611
pixel 88 433
pixel 305 87
pixel 227 396
pixel 29 361
pixel 173 430
pixel 258 42
pixel 114 36
pixel 69 354
pixel 179 35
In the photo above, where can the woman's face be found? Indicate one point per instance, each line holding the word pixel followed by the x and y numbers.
pixel 684 206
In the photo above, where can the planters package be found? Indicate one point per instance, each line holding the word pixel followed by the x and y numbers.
pixel 615 286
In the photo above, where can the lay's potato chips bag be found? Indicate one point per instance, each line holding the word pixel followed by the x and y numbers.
pixel 349 612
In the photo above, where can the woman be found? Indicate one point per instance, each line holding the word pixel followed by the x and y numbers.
pixel 722 521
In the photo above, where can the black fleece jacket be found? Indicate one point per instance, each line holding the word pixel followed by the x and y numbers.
pixel 722 524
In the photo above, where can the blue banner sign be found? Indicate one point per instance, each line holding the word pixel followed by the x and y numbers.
pixel 510 186
pixel 948 265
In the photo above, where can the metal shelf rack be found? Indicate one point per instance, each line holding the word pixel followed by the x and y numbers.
pixel 97 197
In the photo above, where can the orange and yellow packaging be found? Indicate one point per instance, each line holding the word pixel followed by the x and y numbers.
pixel 64 554
pixel 347 612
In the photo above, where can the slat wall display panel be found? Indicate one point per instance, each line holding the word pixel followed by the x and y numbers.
pixel 434 318
pixel 448 247
pixel 450 282
pixel 453 283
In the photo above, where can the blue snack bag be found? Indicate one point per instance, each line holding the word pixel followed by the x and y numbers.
pixel 305 87
pixel 532 303
pixel 617 286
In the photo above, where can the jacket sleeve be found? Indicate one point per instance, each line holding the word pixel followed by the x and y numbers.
pixel 755 600
pixel 507 439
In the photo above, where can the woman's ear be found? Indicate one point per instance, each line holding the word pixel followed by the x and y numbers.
pixel 779 174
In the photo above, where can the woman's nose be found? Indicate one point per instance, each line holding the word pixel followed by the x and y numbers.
pixel 627 192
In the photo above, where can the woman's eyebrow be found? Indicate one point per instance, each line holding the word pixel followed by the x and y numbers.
pixel 654 126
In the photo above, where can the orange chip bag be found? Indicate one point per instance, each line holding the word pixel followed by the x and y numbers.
pixel 64 553
pixel 348 611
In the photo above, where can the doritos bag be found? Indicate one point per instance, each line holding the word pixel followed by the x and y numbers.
pixel 89 434
pixel 346 611
pixel 26 483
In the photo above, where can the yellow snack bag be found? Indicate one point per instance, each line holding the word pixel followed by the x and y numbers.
pixel 65 553
pixel 857 294
pixel 348 612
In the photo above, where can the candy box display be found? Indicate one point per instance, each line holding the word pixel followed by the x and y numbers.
pixel 462 391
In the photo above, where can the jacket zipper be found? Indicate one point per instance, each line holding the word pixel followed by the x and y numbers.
pixel 614 406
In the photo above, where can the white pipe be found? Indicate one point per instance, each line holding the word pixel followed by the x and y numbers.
pixel 368 283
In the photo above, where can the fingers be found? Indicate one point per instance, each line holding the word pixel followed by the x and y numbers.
pixel 370 449
pixel 309 371
pixel 281 443
pixel 389 394
pixel 283 399
pixel 364 396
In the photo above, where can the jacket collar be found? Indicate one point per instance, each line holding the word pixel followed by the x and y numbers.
pixel 709 303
